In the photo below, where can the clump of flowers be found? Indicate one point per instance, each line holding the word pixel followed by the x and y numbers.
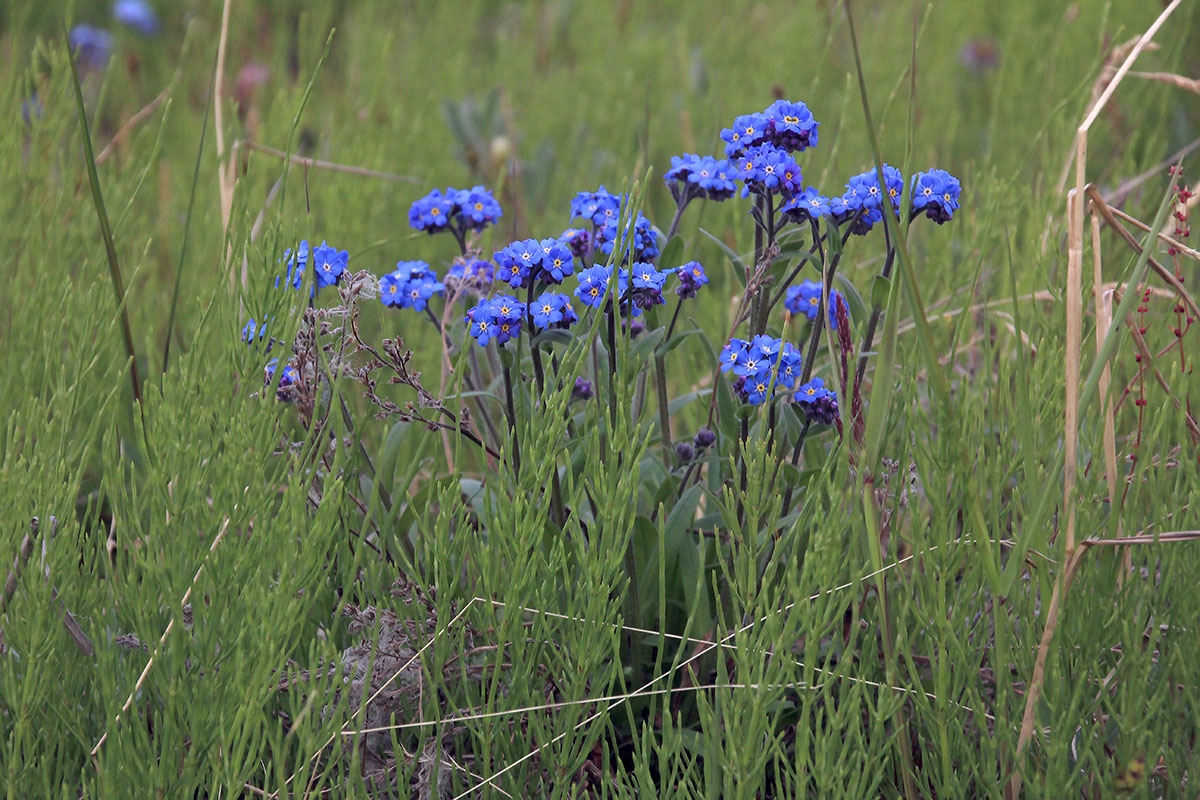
pixel 410 285
pixel 498 318
pixel 761 366
pixel 806 299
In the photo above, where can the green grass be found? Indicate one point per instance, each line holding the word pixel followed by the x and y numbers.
pixel 503 631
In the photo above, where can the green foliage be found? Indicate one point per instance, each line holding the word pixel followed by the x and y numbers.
pixel 671 639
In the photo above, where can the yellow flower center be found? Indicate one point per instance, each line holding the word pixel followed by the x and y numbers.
pixel 435 211
pixel 479 206
pixel 790 120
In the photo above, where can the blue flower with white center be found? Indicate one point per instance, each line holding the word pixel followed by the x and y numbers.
pixel 593 286
pixel 478 208
pixel 517 262
pixel 691 277
pixel 481 321
pixel 136 14
pixel 432 212
pixel 296 262
pixel 866 186
pixel 556 261
pixel 807 205
pixel 791 125
pixel 417 292
pixel 936 192
pixel 509 313
pixel 747 131
pixel 329 263
pixel 647 283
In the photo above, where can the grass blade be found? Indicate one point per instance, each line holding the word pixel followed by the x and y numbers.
pixel 110 249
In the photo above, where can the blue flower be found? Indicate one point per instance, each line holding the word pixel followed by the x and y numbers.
pixel 792 126
pixel 936 193
pixel 806 299
pixel 391 289
pixel 644 244
pixel 410 285
pixel 693 176
pixel 647 283
pixel 552 309
pixel 556 261
pixel 136 14
pixel 812 391
pixel 254 333
pixel 691 277
pixel 866 187
pixel 295 265
pixel 478 208
pixel 481 321
pixel 92 45
pixel 767 169
pixel 508 313
pixel 287 380
pixel 759 365
pixel 732 353
pixel 329 263
pixel 517 262
pixel 805 206
pixel 598 206
pixel 747 131
pixel 593 286
pixel 432 212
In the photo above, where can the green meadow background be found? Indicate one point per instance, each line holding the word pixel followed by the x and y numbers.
pixel 512 671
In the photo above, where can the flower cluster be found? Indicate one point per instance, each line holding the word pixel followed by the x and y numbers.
pixel 936 193
pixel 783 124
pixel 410 285
pixel 691 277
pixel 465 209
pixel 498 318
pixel 805 206
pixel 549 260
pixel 642 241
pixel 329 263
pixel 600 206
pixel 761 366
pixel 692 176
pixel 818 403
pixel 646 284
pixel 806 299
pixel 767 169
